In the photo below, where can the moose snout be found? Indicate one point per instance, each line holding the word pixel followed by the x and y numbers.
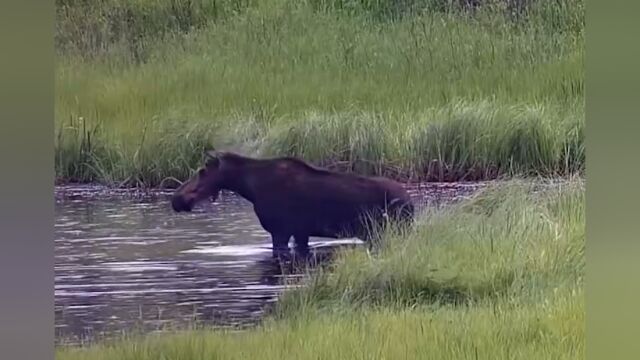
pixel 179 204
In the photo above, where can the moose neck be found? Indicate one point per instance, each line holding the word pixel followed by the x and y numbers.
pixel 237 182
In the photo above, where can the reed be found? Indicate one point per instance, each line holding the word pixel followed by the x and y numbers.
pixel 432 94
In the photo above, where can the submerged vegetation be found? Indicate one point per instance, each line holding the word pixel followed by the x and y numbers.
pixel 500 276
pixel 416 89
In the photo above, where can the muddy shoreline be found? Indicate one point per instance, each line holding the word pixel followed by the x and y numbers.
pixel 66 191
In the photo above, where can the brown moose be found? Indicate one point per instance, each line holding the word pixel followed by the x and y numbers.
pixel 294 199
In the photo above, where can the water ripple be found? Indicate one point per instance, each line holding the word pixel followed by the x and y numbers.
pixel 125 260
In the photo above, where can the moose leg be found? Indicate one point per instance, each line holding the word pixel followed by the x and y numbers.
pixel 280 243
pixel 302 243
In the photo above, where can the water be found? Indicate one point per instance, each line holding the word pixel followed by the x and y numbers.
pixel 124 261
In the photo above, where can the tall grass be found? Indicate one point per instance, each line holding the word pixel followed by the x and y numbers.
pixel 93 29
pixel 500 276
pixel 459 141
pixel 553 330
pixel 507 243
pixel 259 74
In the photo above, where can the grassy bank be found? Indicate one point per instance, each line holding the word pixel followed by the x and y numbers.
pixel 499 277
pixel 441 94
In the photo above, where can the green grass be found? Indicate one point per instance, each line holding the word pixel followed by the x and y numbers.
pixel 143 86
pixel 505 244
pixel 500 276
pixel 486 333
pixel 417 90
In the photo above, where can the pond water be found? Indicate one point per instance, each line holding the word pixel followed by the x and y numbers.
pixel 124 261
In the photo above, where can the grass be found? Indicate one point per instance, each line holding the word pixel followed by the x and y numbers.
pixel 500 276
pixel 416 90
pixel 505 244
pixel 442 94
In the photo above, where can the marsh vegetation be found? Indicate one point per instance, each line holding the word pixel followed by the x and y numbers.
pixel 418 90
pixel 415 90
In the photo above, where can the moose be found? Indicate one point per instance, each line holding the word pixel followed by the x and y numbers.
pixel 293 198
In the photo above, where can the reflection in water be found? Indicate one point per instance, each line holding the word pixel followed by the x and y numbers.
pixel 125 261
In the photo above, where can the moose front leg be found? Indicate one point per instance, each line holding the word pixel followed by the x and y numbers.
pixel 280 244
pixel 302 243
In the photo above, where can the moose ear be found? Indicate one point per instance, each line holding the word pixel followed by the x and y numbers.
pixel 211 154
pixel 211 159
